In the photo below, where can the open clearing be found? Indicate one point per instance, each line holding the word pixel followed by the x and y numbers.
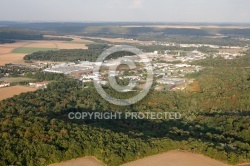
pixel 15 79
pixel 68 45
pixel 171 158
pixel 11 58
pixel 116 40
pixel 8 92
pixel 75 38
pixel 5 50
pixel 176 158
pixel 29 50
pixel 41 44
pixel 85 161
pixel 14 52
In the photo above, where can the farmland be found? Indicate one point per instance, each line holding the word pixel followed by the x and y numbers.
pixel 29 50
pixel 176 158
pixel 171 158
pixel 85 161
pixel 8 92
pixel 14 52
pixel 15 79
pixel 11 58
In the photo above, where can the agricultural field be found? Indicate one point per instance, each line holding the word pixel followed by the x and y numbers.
pixel 41 44
pixel 29 50
pixel 85 161
pixel 11 58
pixel 70 45
pixel 14 52
pixel 171 158
pixel 116 40
pixel 15 79
pixel 176 158
pixel 8 92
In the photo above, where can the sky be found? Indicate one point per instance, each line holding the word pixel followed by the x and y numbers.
pixel 126 10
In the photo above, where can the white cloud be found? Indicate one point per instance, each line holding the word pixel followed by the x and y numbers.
pixel 136 4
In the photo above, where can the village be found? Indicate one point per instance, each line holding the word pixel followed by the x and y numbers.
pixel 169 67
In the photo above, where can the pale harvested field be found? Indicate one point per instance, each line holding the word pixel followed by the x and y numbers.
pixel 116 40
pixel 16 44
pixel 7 92
pixel 15 79
pixel 85 161
pixel 7 56
pixel 57 44
pixel 5 50
pixel 42 44
pixel 75 38
pixel 64 45
pixel 9 47
pixel 11 58
pixel 176 158
pixel 79 39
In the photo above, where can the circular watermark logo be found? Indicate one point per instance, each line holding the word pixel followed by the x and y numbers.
pixel 113 72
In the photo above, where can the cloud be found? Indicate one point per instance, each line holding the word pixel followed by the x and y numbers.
pixel 136 4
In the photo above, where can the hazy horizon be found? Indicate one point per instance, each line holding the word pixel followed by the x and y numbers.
pixel 169 11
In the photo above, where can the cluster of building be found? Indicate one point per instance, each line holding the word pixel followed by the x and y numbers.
pixel 192 56
pixel 71 67
pixel 166 73
pixel 172 83
pixel 39 85
pixel 4 84
pixel 227 55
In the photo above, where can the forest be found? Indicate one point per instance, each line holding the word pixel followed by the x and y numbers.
pixel 91 54
pixel 12 34
pixel 35 128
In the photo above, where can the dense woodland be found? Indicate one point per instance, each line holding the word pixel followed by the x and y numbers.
pixel 91 54
pixel 2 41
pixel 93 51
pixel 35 129
pixel 9 34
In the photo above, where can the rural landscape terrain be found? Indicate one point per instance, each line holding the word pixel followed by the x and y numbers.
pixel 141 83
pixel 190 77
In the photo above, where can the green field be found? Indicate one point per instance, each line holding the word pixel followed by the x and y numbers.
pixel 30 50
pixel 15 79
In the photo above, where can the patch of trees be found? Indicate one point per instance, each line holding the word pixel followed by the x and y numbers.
pixel 19 34
pixel 44 76
pixel 93 51
pixel 236 32
pixel 2 41
pixel 206 49
pixel 91 54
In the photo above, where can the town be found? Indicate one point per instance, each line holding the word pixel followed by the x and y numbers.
pixel 169 67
